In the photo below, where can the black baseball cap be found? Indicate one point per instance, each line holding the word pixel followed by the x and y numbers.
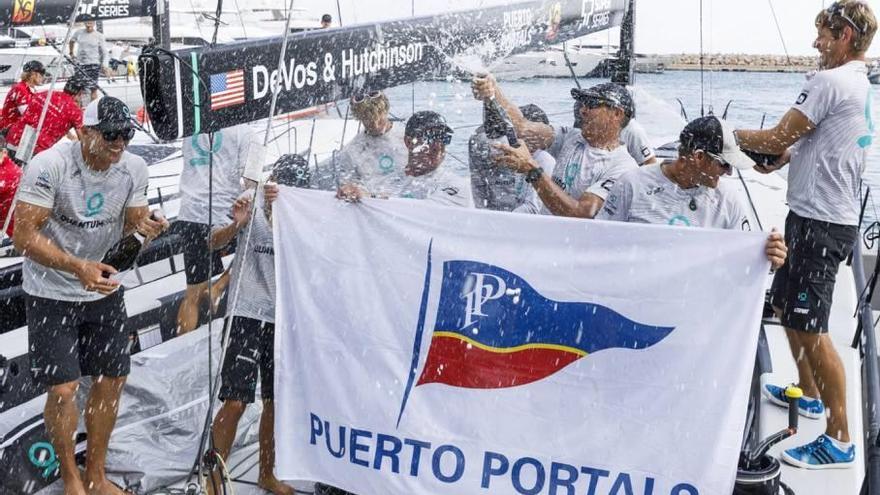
pixel 715 137
pixel 291 170
pixel 534 113
pixel 611 93
pixel 107 114
pixel 326 18
pixel 77 83
pixel 427 123
pixel 34 66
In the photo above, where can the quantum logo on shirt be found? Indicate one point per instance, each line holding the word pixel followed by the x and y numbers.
pixel 94 204
pixel 801 98
pixel 386 164
pixel 204 155
pixel 680 220
pixel 866 140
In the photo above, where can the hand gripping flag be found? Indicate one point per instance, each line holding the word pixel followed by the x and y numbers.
pixel 493 330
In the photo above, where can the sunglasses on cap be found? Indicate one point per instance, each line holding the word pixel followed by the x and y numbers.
pixel 361 96
pixel 593 103
pixel 112 135
pixel 838 9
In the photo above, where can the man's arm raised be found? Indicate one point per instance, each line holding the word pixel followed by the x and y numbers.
pixel 537 135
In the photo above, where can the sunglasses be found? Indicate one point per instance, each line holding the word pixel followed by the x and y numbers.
pixel 361 96
pixel 593 103
pixel 434 136
pixel 110 136
pixel 724 164
pixel 839 10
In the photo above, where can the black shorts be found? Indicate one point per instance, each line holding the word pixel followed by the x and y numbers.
pixel 201 263
pixel 804 286
pixel 70 339
pixel 251 349
pixel 92 72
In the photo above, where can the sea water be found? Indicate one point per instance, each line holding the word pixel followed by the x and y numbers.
pixel 753 96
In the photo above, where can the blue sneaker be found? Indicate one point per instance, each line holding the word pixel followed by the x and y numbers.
pixel 821 453
pixel 810 408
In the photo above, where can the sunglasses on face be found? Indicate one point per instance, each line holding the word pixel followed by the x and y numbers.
pixel 839 10
pixel 110 136
pixel 362 96
pixel 713 156
pixel 440 136
pixel 593 103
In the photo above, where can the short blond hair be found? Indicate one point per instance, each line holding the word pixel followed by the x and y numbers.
pixel 855 14
pixel 370 108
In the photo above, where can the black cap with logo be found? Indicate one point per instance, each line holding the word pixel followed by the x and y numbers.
pixel 291 170
pixel 428 124
pixel 108 114
pixel 611 93
pixel 34 66
pixel 715 137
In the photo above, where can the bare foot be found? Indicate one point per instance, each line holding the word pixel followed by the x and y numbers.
pixel 273 485
pixel 103 487
pixel 74 488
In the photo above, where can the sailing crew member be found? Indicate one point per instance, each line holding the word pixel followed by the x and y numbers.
pixel 326 20
pixel 20 94
pixel 422 175
pixel 633 136
pixel 91 54
pixel 825 138
pixel 495 187
pixel 63 117
pixel 688 191
pixel 77 200
pixel 252 334
pixel 224 157
pixel 587 162
pixel 377 155
pixel 10 176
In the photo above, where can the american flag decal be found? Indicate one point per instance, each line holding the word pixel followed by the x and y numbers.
pixel 227 89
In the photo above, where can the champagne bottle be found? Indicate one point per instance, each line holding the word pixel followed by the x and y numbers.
pixel 497 123
pixel 124 253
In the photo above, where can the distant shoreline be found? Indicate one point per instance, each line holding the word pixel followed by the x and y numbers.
pixel 738 62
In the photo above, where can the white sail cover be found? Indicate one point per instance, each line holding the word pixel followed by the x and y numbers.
pixel 423 349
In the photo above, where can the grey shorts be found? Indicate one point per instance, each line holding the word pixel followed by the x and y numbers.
pixel 71 339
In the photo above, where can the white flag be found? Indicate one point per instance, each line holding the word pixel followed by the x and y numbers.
pixel 423 349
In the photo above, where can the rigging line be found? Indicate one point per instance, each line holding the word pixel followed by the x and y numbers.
pixel 702 70
pixel 412 13
pixel 196 18
pixel 217 15
pixel 45 108
pixel 339 13
pixel 779 30
pixel 213 387
pixel 240 19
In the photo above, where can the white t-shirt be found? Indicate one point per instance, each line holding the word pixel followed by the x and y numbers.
pixel 378 164
pixel 827 164
pixel 634 137
pixel 88 212
pixel 253 272
pixel 374 160
pixel 646 195
pixel 580 168
pixel 230 153
pixel 90 48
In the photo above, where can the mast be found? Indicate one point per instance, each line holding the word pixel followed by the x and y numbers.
pixel 161 25
pixel 624 67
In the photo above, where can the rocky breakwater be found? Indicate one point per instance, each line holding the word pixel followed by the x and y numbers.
pixel 737 62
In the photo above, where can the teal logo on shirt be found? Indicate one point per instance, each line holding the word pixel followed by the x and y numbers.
pixel 865 141
pixel 680 220
pixel 571 172
pixel 94 204
pixel 386 164
pixel 203 155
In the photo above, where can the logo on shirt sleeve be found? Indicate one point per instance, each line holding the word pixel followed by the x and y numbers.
pixel 801 98
pixel 646 151
pixel 44 181
pixel 607 184
pixel 745 225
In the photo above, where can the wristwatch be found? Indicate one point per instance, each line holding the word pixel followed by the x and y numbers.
pixel 534 174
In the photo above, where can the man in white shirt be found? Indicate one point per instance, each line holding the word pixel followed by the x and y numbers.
pixel 91 54
pixel 587 161
pixel 689 191
pixel 222 157
pixel 422 175
pixel 633 136
pixel 825 137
